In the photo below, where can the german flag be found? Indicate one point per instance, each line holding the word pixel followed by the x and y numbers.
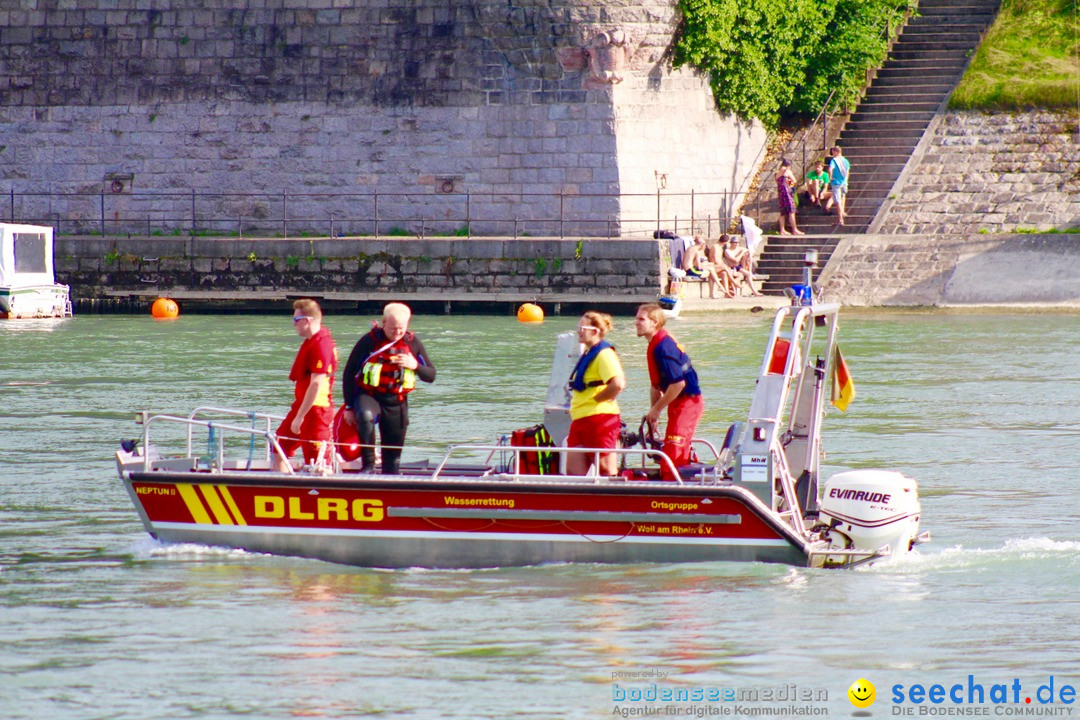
pixel 843 387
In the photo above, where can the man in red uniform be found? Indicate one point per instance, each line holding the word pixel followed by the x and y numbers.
pixel 673 385
pixel 307 425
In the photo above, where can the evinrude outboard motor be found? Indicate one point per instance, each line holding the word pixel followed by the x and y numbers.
pixel 870 510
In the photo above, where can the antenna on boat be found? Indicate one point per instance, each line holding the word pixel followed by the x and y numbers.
pixel 809 261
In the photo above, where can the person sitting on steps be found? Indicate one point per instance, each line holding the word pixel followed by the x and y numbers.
pixel 739 261
pixel 696 264
pixel 817 182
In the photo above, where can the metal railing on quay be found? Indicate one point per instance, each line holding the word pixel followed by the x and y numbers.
pixel 765 189
pixel 375 214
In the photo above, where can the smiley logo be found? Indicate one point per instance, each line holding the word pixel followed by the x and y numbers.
pixel 862 693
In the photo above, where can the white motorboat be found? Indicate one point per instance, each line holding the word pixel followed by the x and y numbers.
pixel 753 497
pixel 28 288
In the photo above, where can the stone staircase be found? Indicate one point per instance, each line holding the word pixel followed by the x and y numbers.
pixel 781 262
pixel 923 67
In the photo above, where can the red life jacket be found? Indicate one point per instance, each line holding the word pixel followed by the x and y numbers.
pixel 378 375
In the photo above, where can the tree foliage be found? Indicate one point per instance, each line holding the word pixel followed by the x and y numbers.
pixel 770 58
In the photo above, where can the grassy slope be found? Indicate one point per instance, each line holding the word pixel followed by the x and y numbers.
pixel 1030 58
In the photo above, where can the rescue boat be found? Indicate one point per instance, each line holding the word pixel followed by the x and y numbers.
pixel 27 286
pixel 753 497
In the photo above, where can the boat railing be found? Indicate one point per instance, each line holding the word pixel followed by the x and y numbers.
pixel 709 445
pixel 216 437
pixel 788 503
pixel 270 420
pixel 644 453
pixel 787 326
pixel 785 403
pixel 263 425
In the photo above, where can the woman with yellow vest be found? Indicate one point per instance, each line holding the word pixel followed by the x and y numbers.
pixel 595 382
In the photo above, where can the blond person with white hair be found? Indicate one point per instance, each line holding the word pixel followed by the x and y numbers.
pixel 382 370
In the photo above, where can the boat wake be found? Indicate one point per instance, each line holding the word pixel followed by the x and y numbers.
pixel 151 549
pixel 34 325
pixel 1015 552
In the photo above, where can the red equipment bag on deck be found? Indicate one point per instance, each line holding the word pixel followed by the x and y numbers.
pixel 346 437
pixel 539 462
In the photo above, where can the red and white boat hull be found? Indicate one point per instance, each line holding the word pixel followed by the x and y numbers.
pixel 403 522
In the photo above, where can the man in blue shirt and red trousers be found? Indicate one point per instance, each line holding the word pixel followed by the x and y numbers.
pixel 674 385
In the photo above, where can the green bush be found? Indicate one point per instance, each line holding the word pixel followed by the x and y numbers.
pixel 772 58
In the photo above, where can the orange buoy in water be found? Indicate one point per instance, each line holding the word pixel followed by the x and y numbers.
pixel 530 313
pixel 164 309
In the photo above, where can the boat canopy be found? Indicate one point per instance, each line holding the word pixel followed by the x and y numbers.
pixel 26 255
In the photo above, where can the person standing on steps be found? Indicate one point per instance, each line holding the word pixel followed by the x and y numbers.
pixel 839 170
pixel 785 195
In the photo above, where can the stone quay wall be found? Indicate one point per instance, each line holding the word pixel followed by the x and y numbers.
pixel 864 270
pixel 530 116
pixel 991 172
pixel 253 272
pixel 954 270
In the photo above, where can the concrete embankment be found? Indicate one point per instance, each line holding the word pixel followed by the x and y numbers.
pixel 955 271
pixel 990 172
pixel 440 275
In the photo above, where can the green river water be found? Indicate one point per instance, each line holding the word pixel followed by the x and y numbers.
pixel 97 620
